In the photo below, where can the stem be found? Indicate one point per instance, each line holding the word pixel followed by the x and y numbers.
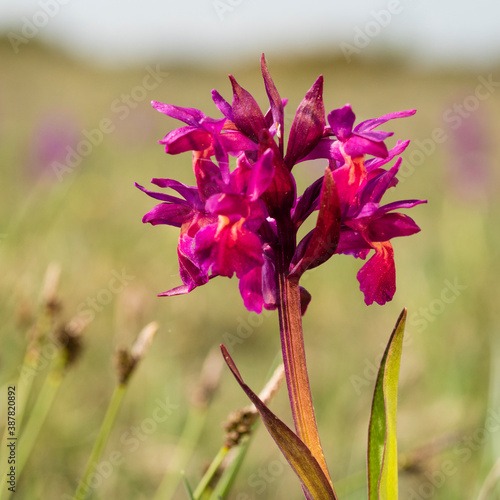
pixel 31 367
pixel 23 388
pixel 294 359
pixel 212 470
pixel 100 443
pixel 37 417
pixel 226 482
pixel 490 482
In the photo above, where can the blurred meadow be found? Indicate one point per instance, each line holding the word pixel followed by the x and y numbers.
pixel 73 140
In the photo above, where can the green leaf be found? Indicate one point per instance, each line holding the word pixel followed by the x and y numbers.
pixel 382 434
pixel 188 486
pixel 314 481
pixel 221 491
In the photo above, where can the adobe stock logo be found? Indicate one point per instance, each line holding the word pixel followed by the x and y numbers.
pixel 420 319
pixel 468 446
pixel 223 7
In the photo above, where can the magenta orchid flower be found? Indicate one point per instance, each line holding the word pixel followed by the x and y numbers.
pixel 243 220
pixel 229 221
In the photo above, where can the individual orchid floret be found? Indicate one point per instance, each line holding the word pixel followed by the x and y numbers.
pixel 367 226
pixel 174 211
pixel 354 142
pixel 187 213
pixel 203 135
pixel 363 139
pixel 197 136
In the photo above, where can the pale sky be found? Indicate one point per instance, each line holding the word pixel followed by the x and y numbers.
pixel 210 31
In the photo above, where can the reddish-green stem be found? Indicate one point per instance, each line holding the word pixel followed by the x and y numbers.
pixel 294 359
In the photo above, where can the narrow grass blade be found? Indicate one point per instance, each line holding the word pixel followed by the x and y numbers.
pixel 208 477
pixel 126 365
pixel 188 487
pixel 382 435
pixel 226 482
pixel 109 419
pixel 491 481
pixel 298 455
pixel 37 418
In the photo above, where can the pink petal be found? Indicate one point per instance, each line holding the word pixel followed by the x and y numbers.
pixel 186 139
pixel 377 278
pixel 341 121
pixel 391 226
pixel 189 270
pixel 357 146
pixel 208 176
pixel 375 122
pixel 168 213
pixel 262 174
pixel 222 105
pixel 251 290
pixel 225 248
pixel 190 116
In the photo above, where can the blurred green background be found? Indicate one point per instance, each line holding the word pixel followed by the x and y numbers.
pixel 84 213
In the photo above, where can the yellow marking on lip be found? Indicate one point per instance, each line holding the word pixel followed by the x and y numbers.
pixel 278 130
pixel 221 225
pixel 234 231
pixel 356 166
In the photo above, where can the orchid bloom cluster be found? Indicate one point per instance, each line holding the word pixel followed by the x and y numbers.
pixel 245 221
